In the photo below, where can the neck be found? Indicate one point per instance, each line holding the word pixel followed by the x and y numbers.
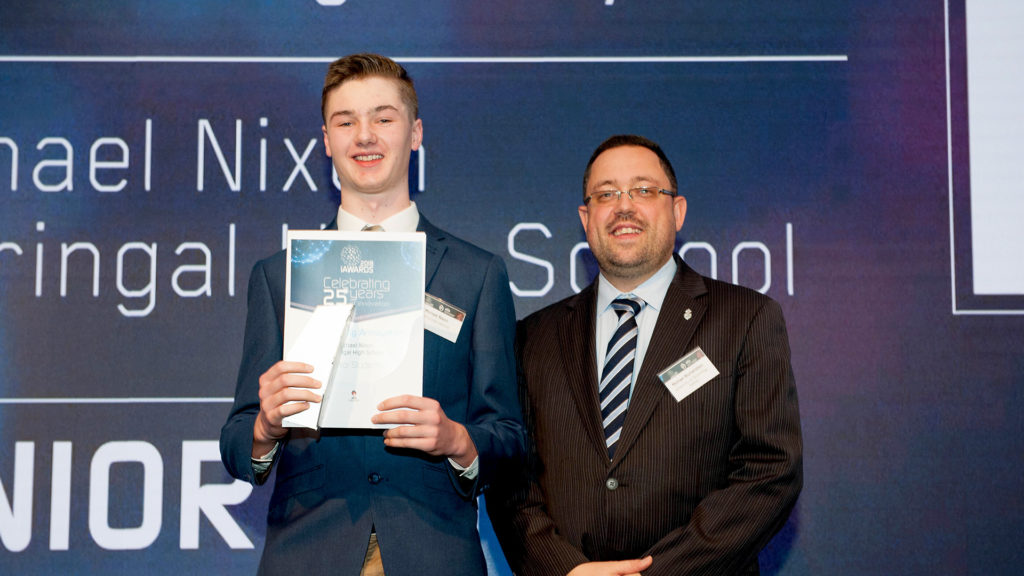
pixel 374 208
pixel 625 285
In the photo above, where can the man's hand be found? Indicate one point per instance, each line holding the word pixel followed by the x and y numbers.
pixel 618 568
pixel 284 382
pixel 426 428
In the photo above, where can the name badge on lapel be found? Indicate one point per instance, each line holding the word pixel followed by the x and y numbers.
pixel 688 374
pixel 442 318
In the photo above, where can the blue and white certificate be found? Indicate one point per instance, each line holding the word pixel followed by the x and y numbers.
pixel 382 275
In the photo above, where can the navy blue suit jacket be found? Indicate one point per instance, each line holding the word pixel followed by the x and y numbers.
pixel 333 485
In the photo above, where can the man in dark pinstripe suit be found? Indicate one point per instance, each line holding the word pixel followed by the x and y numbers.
pixel 706 466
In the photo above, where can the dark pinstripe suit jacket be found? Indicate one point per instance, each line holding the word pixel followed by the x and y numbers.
pixel 701 484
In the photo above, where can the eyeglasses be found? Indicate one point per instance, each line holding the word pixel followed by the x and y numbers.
pixel 642 194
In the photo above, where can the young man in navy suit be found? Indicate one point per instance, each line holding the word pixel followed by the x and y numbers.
pixel 660 404
pixel 363 502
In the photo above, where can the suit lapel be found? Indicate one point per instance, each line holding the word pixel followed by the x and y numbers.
pixel 436 247
pixel 576 334
pixel 432 351
pixel 669 341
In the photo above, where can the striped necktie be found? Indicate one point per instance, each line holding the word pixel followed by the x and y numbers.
pixel 618 370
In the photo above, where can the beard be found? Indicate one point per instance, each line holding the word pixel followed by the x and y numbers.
pixel 636 264
pixel 639 261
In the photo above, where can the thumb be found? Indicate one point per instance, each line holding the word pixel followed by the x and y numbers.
pixel 638 564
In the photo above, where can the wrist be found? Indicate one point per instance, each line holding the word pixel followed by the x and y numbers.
pixel 262 441
pixel 464 451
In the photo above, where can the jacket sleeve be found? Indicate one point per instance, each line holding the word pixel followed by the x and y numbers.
pixel 263 345
pixel 493 416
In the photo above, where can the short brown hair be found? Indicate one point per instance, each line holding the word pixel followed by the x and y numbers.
pixel 620 140
pixel 358 66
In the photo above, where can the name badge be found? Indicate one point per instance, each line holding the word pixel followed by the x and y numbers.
pixel 688 374
pixel 442 318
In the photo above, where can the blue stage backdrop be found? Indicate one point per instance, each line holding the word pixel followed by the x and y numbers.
pixel 859 161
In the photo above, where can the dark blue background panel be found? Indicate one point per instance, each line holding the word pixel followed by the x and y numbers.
pixel 151 153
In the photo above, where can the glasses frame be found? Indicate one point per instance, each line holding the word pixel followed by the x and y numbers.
pixel 629 192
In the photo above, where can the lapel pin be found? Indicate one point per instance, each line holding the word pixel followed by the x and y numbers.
pixel 688 314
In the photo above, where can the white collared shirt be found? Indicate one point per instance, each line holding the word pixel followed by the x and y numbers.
pixel 652 291
pixel 405 221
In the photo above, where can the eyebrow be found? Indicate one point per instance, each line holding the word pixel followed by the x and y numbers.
pixel 377 110
pixel 632 182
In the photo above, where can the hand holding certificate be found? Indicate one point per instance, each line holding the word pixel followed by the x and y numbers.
pixel 421 424
pixel 319 342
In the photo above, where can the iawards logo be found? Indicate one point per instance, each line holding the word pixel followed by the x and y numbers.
pixel 352 261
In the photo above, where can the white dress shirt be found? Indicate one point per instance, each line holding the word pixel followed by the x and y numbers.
pixel 405 221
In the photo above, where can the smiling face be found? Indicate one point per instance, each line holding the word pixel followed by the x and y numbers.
pixel 369 132
pixel 630 240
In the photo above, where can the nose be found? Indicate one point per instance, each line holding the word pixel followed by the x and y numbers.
pixel 366 135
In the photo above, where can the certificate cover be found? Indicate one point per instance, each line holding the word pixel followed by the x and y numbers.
pixel 381 274
pixel 317 338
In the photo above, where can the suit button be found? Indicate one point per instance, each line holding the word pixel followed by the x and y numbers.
pixel 374 478
pixel 611 483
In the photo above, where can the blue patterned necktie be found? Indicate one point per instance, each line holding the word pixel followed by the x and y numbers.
pixel 618 370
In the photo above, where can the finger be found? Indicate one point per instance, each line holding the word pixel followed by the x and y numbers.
pixel 286 382
pixel 273 418
pixel 407 401
pixel 292 380
pixel 292 408
pixel 639 563
pixel 296 395
pixel 272 404
pixel 401 417
pixel 422 444
pixel 402 401
pixel 635 566
pixel 284 367
pixel 410 431
pixel 277 413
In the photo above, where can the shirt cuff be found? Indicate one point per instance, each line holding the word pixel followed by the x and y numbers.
pixel 261 465
pixel 470 472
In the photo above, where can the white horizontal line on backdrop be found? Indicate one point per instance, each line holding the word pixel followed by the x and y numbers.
pixel 95 400
pixel 429 59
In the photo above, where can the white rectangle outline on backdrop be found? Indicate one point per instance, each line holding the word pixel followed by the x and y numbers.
pixel 952 232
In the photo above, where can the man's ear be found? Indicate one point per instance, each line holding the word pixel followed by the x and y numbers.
pixel 679 211
pixel 417 134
